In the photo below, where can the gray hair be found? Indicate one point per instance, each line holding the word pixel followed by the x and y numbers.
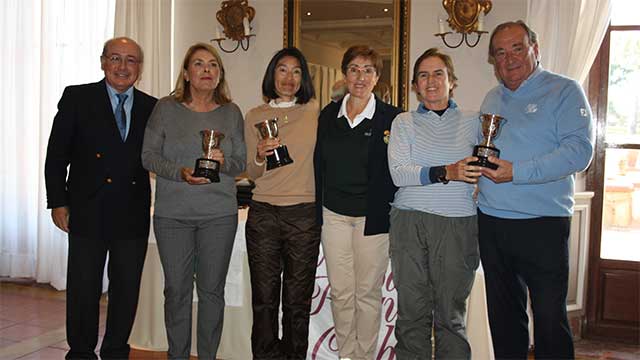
pixel 533 37
pixel 108 42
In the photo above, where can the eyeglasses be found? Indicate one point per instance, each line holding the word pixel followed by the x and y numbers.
pixel 355 71
pixel 116 59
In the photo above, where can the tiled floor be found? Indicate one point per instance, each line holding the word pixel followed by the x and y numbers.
pixel 32 319
pixel 32 323
pixel 589 349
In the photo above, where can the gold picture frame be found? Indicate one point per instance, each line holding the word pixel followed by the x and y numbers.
pixel 400 49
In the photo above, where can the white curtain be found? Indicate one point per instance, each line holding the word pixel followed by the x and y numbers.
pixel 570 33
pixel 323 78
pixel 149 24
pixel 46 45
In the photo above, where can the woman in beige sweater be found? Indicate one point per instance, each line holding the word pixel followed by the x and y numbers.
pixel 282 233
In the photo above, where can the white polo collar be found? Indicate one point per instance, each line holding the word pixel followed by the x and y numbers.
pixel 367 113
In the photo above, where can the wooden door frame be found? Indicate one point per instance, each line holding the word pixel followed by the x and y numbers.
pixel 596 326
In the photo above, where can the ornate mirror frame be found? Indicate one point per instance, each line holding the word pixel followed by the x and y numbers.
pixel 400 58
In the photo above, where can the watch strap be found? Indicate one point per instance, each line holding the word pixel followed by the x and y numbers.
pixel 438 174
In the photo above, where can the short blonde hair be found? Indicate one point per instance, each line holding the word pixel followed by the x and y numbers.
pixel 182 92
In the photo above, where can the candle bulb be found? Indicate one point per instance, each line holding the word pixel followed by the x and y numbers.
pixel 440 26
pixel 218 33
pixel 481 21
pixel 247 29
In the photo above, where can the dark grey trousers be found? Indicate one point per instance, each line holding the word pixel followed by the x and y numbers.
pixel 433 259
pixel 201 248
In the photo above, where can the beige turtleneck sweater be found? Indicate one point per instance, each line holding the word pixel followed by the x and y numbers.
pixel 294 183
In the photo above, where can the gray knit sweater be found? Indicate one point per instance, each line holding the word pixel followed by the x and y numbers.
pixel 172 141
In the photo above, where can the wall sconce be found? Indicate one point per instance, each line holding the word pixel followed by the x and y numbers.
pixel 465 17
pixel 235 16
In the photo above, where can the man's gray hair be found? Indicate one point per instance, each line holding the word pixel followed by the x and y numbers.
pixel 108 42
pixel 533 37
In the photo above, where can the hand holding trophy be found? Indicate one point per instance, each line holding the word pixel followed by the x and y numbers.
pixel 490 130
pixel 268 129
pixel 206 166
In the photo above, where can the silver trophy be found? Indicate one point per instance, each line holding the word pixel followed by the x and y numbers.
pixel 490 130
pixel 206 166
pixel 268 129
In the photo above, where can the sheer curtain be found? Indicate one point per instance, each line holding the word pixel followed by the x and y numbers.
pixel 46 45
pixel 570 33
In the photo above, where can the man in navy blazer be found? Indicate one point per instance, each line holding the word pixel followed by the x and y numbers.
pixel 104 202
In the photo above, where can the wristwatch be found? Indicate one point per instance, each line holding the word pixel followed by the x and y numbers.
pixel 438 174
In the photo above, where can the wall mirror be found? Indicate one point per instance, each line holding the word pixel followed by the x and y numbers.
pixel 324 29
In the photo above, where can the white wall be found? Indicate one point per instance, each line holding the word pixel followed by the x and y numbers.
pixel 195 21
pixel 475 74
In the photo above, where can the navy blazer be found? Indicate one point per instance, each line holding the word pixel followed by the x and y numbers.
pixel 107 189
pixel 380 189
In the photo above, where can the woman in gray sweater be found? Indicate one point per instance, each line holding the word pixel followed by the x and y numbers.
pixel 195 220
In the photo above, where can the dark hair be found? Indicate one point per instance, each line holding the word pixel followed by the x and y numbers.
pixel 533 37
pixel 448 63
pixel 364 51
pixel 306 91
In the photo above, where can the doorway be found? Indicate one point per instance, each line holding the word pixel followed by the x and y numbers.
pixel 613 303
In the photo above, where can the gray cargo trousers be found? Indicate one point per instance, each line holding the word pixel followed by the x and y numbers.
pixel 433 259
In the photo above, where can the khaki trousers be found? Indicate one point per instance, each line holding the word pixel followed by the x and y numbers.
pixel 355 265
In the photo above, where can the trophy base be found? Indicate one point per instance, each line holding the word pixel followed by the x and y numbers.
pixel 279 158
pixel 482 153
pixel 484 162
pixel 207 168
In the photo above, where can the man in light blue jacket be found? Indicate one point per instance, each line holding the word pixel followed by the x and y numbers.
pixel 525 205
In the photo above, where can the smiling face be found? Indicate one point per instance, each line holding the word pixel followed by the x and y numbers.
pixel 121 64
pixel 361 77
pixel 203 72
pixel 433 83
pixel 515 58
pixel 287 78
